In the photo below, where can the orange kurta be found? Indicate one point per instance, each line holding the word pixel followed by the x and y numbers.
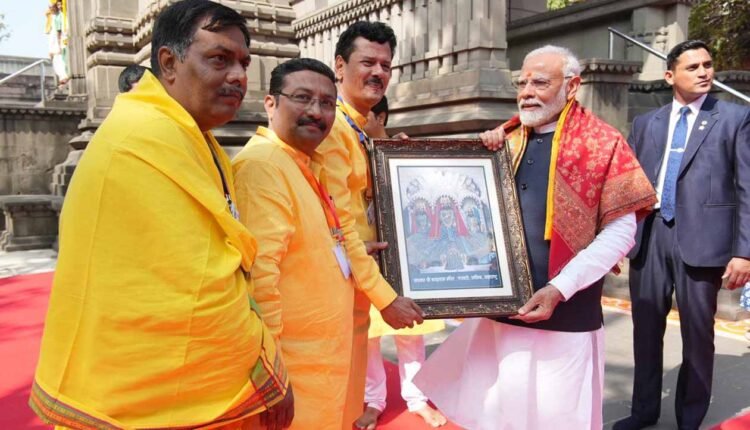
pixel 299 287
pixel 344 170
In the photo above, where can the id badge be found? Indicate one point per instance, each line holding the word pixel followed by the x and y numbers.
pixel 371 213
pixel 343 260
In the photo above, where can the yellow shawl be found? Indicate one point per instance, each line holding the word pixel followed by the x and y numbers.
pixel 149 322
pixel 594 178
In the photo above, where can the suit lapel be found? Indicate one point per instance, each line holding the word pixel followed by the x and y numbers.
pixel 657 136
pixel 707 117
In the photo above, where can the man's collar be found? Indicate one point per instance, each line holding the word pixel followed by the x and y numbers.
pixel 353 113
pixel 270 135
pixel 546 128
pixel 694 106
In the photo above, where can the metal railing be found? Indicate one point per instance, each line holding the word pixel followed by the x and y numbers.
pixel 613 32
pixel 42 62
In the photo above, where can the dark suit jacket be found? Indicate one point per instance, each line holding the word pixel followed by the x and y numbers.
pixel 712 213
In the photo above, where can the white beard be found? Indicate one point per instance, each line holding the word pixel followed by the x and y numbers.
pixel 546 114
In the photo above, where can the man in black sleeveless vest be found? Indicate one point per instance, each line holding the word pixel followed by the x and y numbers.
pixel 579 187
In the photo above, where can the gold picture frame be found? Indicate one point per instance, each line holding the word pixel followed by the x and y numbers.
pixel 449 211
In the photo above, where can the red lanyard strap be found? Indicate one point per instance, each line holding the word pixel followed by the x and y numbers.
pixel 329 208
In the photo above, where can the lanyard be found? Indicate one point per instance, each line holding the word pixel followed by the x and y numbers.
pixel 329 208
pixel 227 194
pixel 363 138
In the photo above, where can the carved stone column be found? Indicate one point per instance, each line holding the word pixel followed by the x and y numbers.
pixel 604 89
pixel 450 74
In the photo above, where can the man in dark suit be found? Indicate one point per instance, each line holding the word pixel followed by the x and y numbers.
pixel 696 152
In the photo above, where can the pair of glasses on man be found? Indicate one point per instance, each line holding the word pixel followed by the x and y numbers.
pixel 536 83
pixel 306 101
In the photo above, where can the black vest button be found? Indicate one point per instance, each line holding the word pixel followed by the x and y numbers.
pixel 524 186
pixel 530 161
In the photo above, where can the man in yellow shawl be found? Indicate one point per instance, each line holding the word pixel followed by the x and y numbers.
pixel 363 68
pixel 581 190
pixel 303 284
pixel 150 324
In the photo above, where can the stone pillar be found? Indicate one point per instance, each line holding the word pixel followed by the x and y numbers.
pixel 660 26
pixel 108 26
pixel 77 17
pixel 604 89
pixel 450 73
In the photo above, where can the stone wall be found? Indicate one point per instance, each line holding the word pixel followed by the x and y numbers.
pixel 32 142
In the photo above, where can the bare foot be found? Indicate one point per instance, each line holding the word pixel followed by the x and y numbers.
pixel 368 420
pixel 431 416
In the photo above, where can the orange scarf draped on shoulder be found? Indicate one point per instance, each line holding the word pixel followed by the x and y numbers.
pixel 594 178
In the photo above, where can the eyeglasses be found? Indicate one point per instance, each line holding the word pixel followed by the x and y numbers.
pixel 306 100
pixel 536 83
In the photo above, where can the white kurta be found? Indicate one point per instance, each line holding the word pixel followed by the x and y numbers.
pixel 490 375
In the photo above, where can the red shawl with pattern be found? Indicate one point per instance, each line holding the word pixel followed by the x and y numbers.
pixel 594 178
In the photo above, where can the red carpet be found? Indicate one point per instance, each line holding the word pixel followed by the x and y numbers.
pixel 396 416
pixel 738 423
pixel 23 305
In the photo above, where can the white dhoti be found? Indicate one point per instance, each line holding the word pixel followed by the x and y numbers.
pixel 489 375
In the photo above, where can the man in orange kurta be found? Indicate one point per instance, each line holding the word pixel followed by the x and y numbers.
pixel 363 68
pixel 303 285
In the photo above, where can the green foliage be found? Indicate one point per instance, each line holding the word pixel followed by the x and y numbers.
pixel 725 26
pixel 558 4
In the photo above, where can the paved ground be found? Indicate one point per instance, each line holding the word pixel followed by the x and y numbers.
pixel 731 372
pixel 26 262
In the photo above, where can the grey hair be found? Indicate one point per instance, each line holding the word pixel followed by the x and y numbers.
pixel 572 66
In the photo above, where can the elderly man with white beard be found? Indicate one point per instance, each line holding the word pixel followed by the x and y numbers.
pixel 581 190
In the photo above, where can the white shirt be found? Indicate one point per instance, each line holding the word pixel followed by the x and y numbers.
pixel 597 259
pixel 607 248
pixel 674 116
pixel 546 128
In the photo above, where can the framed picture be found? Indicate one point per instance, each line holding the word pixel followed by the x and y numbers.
pixel 449 211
